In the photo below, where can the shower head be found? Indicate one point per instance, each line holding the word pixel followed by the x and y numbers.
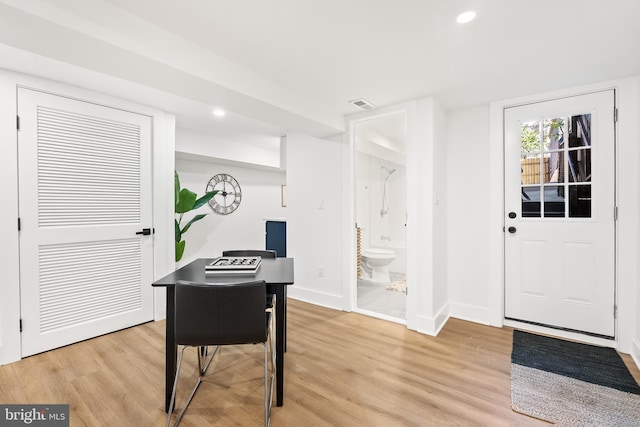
pixel 389 171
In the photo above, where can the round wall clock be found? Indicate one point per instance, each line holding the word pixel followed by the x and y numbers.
pixel 229 193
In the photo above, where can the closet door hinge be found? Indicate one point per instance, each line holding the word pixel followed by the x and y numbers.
pixel 19 224
pixel 18 122
pixel 615 115
pixel 615 311
pixel 20 325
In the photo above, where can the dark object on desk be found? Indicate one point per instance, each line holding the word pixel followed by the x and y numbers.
pixel 250 252
pixel 209 314
pixel 277 273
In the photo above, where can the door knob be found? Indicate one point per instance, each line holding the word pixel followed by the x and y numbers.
pixel 512 215
pixel 511 230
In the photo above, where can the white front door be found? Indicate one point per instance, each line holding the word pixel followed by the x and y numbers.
pixel 84 193
pixel 559 213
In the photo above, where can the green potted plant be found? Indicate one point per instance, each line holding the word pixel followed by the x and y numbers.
pixel 186 201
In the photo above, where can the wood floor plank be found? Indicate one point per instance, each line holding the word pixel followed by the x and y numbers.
pixel 342 369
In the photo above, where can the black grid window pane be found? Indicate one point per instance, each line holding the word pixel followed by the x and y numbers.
pixel 554 201
pixel 580 201
pixel 530 196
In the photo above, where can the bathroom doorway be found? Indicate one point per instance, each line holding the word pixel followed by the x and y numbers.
pixel 381 211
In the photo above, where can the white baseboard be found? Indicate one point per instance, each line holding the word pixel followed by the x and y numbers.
pixel 380 316
pixel 335 302
pixel 159 303
pixel 472 313
pixel 433 325
pixel 10 355
pixel 635 352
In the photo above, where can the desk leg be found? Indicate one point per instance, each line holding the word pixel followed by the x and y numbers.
pixel 284 333
pixel 171 349
pixel 281 310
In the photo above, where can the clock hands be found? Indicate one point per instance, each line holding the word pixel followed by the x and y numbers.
pixel 224 189
pixel 226 194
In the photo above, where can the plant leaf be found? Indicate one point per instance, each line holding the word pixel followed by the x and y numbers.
pixel 180 249
pixel 204 199
pixel 176 186
pixel 186 200
pixel 177 231
pixel 194 219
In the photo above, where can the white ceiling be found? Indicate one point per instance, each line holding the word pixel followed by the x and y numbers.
pixel 293 65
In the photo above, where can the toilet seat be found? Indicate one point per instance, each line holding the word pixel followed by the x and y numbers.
pixel 378 253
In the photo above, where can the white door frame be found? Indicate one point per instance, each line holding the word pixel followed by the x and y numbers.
pixel 627 94
pixel 350 274
pixel 353 169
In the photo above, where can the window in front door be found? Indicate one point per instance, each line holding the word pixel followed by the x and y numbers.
pixel 555 166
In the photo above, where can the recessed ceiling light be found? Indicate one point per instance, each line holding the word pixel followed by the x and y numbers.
pixel 465 17
pixel 218 112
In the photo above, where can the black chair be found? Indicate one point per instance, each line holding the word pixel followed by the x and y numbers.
pixel 250 252
pixel 264 254
pixel 208 314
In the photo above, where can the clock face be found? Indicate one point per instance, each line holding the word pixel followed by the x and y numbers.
pixel 229 194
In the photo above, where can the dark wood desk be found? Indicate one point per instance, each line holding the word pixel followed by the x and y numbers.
pixel 277 273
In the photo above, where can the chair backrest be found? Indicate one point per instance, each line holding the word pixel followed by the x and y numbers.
pixel 220 314
pixel 250 252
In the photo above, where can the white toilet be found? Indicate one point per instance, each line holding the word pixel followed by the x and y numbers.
pixel 375 263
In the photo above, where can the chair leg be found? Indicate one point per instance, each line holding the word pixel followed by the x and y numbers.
pixel 175 387
pixel 202 355
pixel 269 375
pixel 201 371
pixel 266 388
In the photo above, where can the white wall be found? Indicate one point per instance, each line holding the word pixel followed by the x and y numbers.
pixel 635 347
pixel 163 147
pixel 426 223
pixel 468 214
pixel 315 219
pixel 440 218
pixel 362 208
pixel 242 229
pixel 370 193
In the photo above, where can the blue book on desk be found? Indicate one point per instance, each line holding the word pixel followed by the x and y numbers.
pixel 229 265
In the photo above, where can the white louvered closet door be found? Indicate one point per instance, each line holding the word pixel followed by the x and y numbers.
pixel 85 190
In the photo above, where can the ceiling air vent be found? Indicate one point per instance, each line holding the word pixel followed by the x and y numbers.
pixel 363 104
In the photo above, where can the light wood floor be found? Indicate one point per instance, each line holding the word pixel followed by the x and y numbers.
pixel 342 369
